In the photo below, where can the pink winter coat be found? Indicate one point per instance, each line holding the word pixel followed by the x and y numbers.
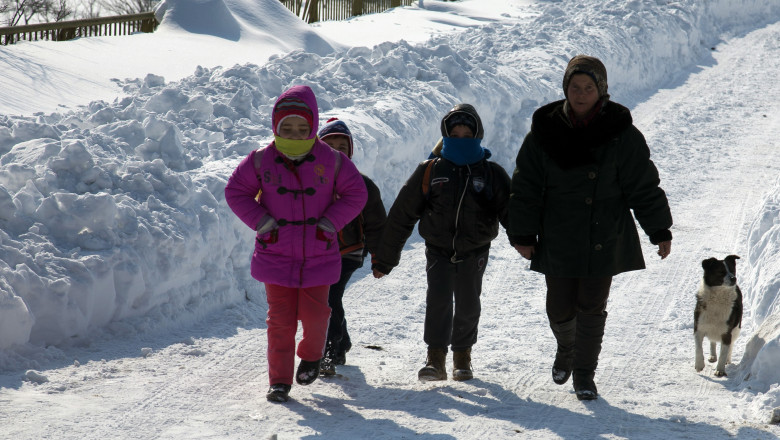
pixel 297 254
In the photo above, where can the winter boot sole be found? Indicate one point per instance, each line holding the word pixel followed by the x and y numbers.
pixel 586 395
pixel 428 374
pixel 461 375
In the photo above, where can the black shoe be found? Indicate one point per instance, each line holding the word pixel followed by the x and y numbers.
pixel 327 366
pixel 586 395
pixel 584 387
pixel 278 392
pixel 560 376
pixel 308 371
pixel 434 366
pixel 340 358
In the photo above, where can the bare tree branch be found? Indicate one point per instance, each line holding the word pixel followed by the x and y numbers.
pixel 125 7
pixel 90 9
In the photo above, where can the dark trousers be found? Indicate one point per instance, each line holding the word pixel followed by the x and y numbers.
pixel 577 311
pixel 338 337
pixel 446 325
pixel 568 297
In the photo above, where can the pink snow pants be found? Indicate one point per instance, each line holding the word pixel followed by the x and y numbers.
pixel 287 305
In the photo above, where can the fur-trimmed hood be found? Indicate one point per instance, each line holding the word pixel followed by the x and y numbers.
pixel 569 146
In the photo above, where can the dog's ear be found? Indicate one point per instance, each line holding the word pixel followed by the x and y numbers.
pixel 731 263
pixel 708 263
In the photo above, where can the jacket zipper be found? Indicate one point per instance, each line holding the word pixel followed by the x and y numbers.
pixel 454 258
pixel 294 169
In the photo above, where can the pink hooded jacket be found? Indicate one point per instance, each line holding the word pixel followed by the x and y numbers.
pixel 297 254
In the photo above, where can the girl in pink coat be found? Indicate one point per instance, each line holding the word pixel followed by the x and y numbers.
pixel 297 193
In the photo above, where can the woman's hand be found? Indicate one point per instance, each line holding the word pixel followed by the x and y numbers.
pixel 664 248
pixel 526 251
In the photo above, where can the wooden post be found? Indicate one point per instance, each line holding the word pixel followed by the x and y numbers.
pixel 395 3
pixel 314 15
pixel 357 7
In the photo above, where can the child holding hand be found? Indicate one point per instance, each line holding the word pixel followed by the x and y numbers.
pixel 286 191
pixel 359 238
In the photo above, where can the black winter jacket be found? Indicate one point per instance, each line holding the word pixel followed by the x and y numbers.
pixel 573 190
pixel 458 217
pixel 362 235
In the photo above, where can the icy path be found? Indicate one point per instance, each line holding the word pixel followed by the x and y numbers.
pixel 209 380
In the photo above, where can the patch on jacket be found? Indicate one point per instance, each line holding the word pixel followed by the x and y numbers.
pixel 439 180
pixel 478 183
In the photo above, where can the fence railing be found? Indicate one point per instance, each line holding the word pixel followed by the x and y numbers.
pixel 68 30
pixel 311 11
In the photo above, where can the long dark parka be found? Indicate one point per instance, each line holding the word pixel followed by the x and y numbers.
pixel 574 188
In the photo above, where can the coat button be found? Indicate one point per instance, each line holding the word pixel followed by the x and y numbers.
pixel 592 175
pixel 588 201
pixel 597 247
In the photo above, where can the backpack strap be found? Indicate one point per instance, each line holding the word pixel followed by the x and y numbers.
pixel 427 176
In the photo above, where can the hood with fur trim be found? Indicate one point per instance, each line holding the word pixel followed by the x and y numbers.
pixel 462 114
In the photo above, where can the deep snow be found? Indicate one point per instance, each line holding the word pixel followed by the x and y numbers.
pixel 126 306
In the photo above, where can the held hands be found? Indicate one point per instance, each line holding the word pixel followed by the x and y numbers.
pixel 664 249
pixel 526 251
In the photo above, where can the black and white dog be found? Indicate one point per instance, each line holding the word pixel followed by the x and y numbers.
pixel 718 314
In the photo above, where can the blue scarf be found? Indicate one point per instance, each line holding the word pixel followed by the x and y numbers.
pixel 463 151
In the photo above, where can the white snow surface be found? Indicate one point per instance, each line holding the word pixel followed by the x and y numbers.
pixel 126 305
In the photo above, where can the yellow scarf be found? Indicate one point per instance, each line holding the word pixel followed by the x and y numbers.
pixel 294 148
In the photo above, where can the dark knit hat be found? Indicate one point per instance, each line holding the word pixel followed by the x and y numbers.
pixel 462 114
pixel 291 107
pixel 590 66
pixel 334 127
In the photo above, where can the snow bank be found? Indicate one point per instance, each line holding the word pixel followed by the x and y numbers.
pixel 117 210
pixel 759 364
pixel 269 23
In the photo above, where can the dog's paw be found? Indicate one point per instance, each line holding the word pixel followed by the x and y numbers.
pixel 720 373
pixel 712 359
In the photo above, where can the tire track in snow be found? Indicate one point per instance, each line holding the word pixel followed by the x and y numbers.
pixel 692 130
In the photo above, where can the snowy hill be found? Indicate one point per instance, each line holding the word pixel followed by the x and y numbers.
pixel 122 265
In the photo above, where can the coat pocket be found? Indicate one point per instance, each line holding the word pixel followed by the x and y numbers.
pixel 268 238
pixel 328 238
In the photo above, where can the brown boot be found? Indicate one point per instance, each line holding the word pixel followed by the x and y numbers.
pixel 461 361
pixel 434 366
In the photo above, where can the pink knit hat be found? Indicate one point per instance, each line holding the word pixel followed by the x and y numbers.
pixel 291 107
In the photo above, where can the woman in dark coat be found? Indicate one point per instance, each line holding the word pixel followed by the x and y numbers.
pixel 580 172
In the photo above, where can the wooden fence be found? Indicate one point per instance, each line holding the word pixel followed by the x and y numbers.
pixel 68 30
pixel 321 10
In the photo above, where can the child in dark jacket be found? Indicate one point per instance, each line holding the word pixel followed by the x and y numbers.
pixel 358 238
pixel 286 192
pixel 459 198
